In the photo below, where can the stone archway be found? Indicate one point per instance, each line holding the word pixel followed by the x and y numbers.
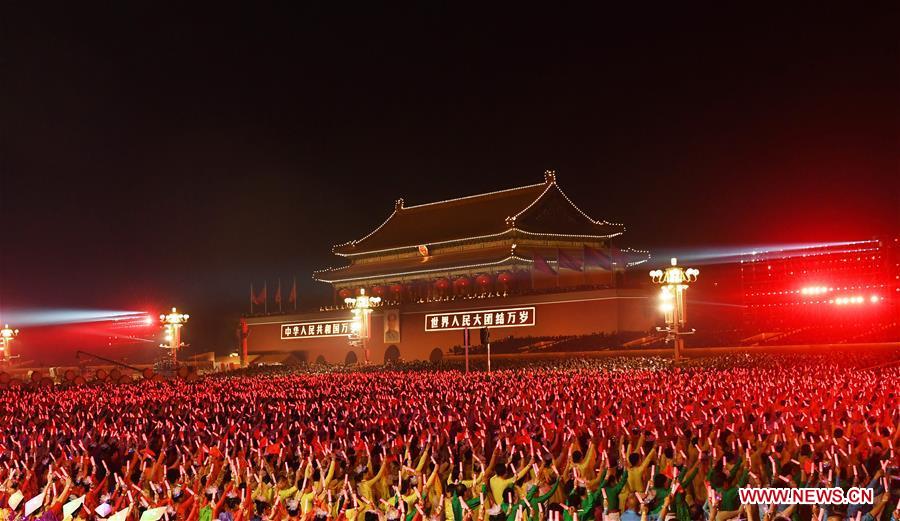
pixel 391 354
pixel 351 358
pixel 436 355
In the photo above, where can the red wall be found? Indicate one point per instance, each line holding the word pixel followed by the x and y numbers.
pixel 573 313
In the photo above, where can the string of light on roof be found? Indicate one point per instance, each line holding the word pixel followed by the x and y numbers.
pixel 538 198
pixel 550 181
pixel 373 232
pixel 436 270
pixel 582 212
pixel 473 196
pixel 453 268
pixel 398 205
pixel 477 237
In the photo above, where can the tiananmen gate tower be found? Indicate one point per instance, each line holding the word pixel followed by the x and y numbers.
pixel 522 262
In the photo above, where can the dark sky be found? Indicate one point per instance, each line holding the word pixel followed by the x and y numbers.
pixel 154 155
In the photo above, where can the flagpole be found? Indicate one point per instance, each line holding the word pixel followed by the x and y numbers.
pixel 612 263
pixel 584 264
pixel 279 295
pixel 266 293
pixel 557 267
pixel 294 292
pixel 252 298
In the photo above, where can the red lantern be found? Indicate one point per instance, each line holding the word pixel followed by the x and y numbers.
pixel 442 283
pixel 505 277
pixel 345 292
pixel 483 280
pixel 397 288
pixel 378 290
pixel 461 282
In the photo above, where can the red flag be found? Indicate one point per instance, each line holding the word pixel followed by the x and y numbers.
pixel 263 295
pixel 252 295
pixel 541 265
pixel 292 297
pixel 278 293
pixel 567 261
pixel 593 257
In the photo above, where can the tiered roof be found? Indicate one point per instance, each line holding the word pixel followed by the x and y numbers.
pixel 540 211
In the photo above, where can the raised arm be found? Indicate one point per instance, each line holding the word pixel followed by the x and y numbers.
pixel 544 497
pixel 524 470
pixel 327 479
pixel 489 471
pixel 422 459
pixel 648 458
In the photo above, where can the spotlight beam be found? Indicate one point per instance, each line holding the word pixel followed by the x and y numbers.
pixel 57 317
pixel 723 255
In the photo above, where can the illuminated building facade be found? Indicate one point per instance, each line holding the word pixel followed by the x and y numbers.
pixel 524 261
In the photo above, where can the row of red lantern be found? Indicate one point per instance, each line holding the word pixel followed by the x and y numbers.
pixel 483 280
pixel 378 291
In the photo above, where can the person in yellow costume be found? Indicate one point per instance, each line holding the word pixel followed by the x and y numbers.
pixel 505 478
pixel 314 486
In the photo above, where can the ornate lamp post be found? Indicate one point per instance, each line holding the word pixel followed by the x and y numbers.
pixel 7 335
pixel 359 328
pixel 245 333
pixel 173 322
pixel 674 282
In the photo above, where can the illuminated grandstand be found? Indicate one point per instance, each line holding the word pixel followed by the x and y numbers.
pixel 842 293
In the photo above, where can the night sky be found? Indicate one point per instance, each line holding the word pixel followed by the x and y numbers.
pixel 156 156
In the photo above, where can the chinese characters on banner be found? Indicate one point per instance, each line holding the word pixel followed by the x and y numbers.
pixel 506 317
pixel 315 329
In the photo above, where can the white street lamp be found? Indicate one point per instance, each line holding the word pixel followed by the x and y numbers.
pixel 7 335
pixel 361 307
pixel 172 324
pixel 674 281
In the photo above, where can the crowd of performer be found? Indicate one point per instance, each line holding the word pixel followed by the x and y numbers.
pixel 610 439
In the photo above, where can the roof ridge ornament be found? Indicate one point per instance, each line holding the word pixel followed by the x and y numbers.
pixel 398 204
pixel 549 176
